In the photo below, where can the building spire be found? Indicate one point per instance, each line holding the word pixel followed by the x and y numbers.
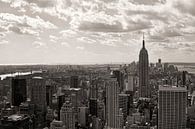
pixel 143 41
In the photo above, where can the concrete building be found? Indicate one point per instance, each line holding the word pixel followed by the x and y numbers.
pixel 26 108
pixel 93 106
pixel 55 124
pixel 82 116
pixel 123 103
pixel 67 115
pixel 172 103
pixel 130 82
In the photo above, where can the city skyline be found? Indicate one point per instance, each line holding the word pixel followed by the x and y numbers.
pixel 97 31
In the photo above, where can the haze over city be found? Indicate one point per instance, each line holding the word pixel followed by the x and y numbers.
pixel 95 31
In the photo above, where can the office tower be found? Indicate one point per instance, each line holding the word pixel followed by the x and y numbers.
pixel 38 98
pixel 184 78
pixel 131 82
pixel 49 95
pixel 18 91
pixel 74 81
pixel 67 115
pixel 94 88
pixel 55 124
pixel 124 103
pixel 82 116
pixel 159 64
pixel 95 122
pixel 75 95
pixel 101 110
pixel 60 101
pixel 112 91
pixel 159 61
pixel 119 76
pixel 130 101
pixel 38 92
pixel 93 106
pixel 144 88
pixel 172 102
pixel 26 108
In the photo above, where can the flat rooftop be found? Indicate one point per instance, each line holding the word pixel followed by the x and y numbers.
pixel 172 88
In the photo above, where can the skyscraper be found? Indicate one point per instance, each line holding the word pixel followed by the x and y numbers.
pixel 123 103
pixel 49 95
pixel 38 92
pixel 112 103
pixel 19 94
pixel 172 102
pixel 119 76
pixel 144 88
pixel 74 81
pixel 38 98
pixel 67 115
pixel 93 106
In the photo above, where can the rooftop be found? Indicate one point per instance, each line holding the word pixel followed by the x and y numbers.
pixel 37 77
pixel 171 88
pixel 16 117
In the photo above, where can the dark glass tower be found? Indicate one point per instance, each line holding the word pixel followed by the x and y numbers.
pixel 74 81
pixel 19 94
pixel 144 88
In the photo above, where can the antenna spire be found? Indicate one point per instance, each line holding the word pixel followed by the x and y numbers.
pixel 143 41
pixel 143 36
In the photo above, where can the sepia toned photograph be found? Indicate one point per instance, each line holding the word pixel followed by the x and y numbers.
pixel 97 64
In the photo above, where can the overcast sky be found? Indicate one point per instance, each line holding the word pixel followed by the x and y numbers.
pixel 95 31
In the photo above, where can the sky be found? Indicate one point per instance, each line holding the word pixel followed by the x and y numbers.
pixel 95 31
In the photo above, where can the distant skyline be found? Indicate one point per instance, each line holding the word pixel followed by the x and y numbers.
pixel 95 31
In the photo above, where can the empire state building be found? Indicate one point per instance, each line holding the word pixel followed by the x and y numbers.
pixel 144 88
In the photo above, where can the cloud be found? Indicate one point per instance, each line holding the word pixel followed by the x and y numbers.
pixel 68 33
pixel 2 42
pixel 115 27
pixel 185 6
pixel 23 30
pixel 86 40
pixel 38 44
pixel 108 43
pixel 42 3
pixel 25 24
pixel 53 38
pixel 65 44
pixel 80 48
pixel 147 2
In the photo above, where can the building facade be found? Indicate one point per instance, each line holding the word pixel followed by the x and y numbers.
pixel 67 115
pixel 112 103
pixel 172 103
pixel 19 91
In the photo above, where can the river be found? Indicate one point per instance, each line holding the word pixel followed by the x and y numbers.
pixel 3 76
